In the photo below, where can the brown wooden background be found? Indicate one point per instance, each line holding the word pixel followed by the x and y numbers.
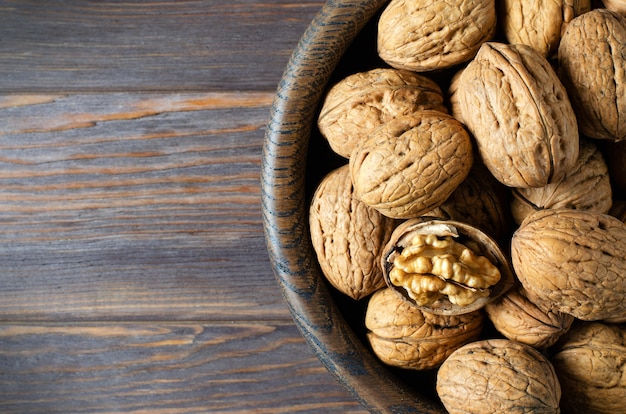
pixel 133 269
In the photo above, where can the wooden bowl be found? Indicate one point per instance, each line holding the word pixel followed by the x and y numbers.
pixel 340 40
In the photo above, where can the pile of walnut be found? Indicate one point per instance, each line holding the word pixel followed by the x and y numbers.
pixel 493 198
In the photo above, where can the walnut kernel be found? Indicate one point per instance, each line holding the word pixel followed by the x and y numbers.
pixel 429 267
pixel 445 267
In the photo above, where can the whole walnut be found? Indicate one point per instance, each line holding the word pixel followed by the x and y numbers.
pixel 572 261
pixel 347 236
pixel 424 36
pixel 521 320
pixel 593 69
pixel 586 186
pixel 445 267
pixel 411 164
pixel 513 103
pixel 590 363
pixel 539 24
pixel 361 102
pixel 404 336
pixel 498 376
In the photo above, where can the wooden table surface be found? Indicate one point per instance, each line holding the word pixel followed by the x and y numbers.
pixel 134 275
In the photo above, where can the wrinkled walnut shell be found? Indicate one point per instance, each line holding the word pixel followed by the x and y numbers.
pixel 521 320
pixel 467 235
pixel 590 365
pixel 347 236
pixel 593 69
pixel 361 102
pixel 405 337
pixel 498 376
pixel 515 106
pixel 572 261
pixel 539 24
pixel 411 164
pixel 423 36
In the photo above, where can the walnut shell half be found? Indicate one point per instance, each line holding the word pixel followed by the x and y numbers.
pixel 445 267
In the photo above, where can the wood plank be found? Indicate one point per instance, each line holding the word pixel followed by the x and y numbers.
pixel 190 45
pixel 164 368
pixel 140 206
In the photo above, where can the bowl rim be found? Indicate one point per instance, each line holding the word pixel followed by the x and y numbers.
pixel 285 214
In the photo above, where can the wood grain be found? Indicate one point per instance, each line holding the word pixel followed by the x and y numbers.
pixel 163 367
pixel 134 274
pixel 189 45
pixel 134 205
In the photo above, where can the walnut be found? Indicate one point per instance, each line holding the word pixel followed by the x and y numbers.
pixel 403 336
pixel 521 320
pixel 590 363
pixel 411 164
pixel 498 376
pixel 515 106
pixel 586 186
pixel 539 24
pixel 361 102
pixel 445 267
pixel 348 236
pixel 423 36
pixel 572 261
pixel 597 88
pixel 430 266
